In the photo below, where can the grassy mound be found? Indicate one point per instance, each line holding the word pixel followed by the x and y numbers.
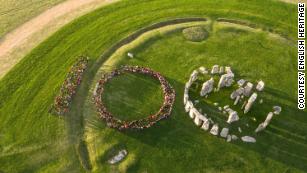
pixel 176 145
pixel 195 34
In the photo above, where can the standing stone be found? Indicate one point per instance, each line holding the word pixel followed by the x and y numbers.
pixel 188 106
pixel 214 130
pixel 228 138
pixel 206 125
pixel 188 85
pixel 207 87
pixel 228 70
pixel 237 93
pixel 192 112
pixel 260 86
pixel 225 80
pixel 185 98
pixel 197 121
pixel 247 89
pixel 194 76
pixel 215 69
pixel 237 100
pixel 233 116
pixel 250 102
pixel 221 71
pixel 241 82
pixel 203 70
pixel 224 132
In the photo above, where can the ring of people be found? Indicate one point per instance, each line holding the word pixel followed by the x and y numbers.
pixel 245 94
pixel 113 122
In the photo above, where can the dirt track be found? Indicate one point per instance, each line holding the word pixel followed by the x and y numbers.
pixel 23 39
pixel 20 41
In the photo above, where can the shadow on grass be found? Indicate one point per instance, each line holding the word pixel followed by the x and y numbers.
pixel 281 141
pixel 284 140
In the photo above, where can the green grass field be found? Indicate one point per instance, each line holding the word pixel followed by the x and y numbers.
pixel 16 12
pixel 34 141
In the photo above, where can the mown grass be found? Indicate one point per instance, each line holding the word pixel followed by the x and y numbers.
pixel 27 91
pixel 16 12
pixel 178 140
pixel 124 105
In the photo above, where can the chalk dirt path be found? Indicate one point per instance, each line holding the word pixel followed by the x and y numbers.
pixel 17 43
pixel 20 41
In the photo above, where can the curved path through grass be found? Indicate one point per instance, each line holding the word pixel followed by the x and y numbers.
pixel 28 90
pixel 120 55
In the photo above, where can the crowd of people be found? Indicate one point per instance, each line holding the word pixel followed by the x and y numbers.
pixel 69 87
pixel 113 122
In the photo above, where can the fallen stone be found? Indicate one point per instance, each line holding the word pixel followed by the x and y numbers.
pixel 277 110
pixel 130 55
pixel 237 100
pixel 264 124
pixel 211 121
pixel 228 110
pixel 234 137
pixel 226 106
pixel 215 104
pixel 248 139
pixel 243 105
pixel 117 158
pixel 239 129
pixel 220 108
